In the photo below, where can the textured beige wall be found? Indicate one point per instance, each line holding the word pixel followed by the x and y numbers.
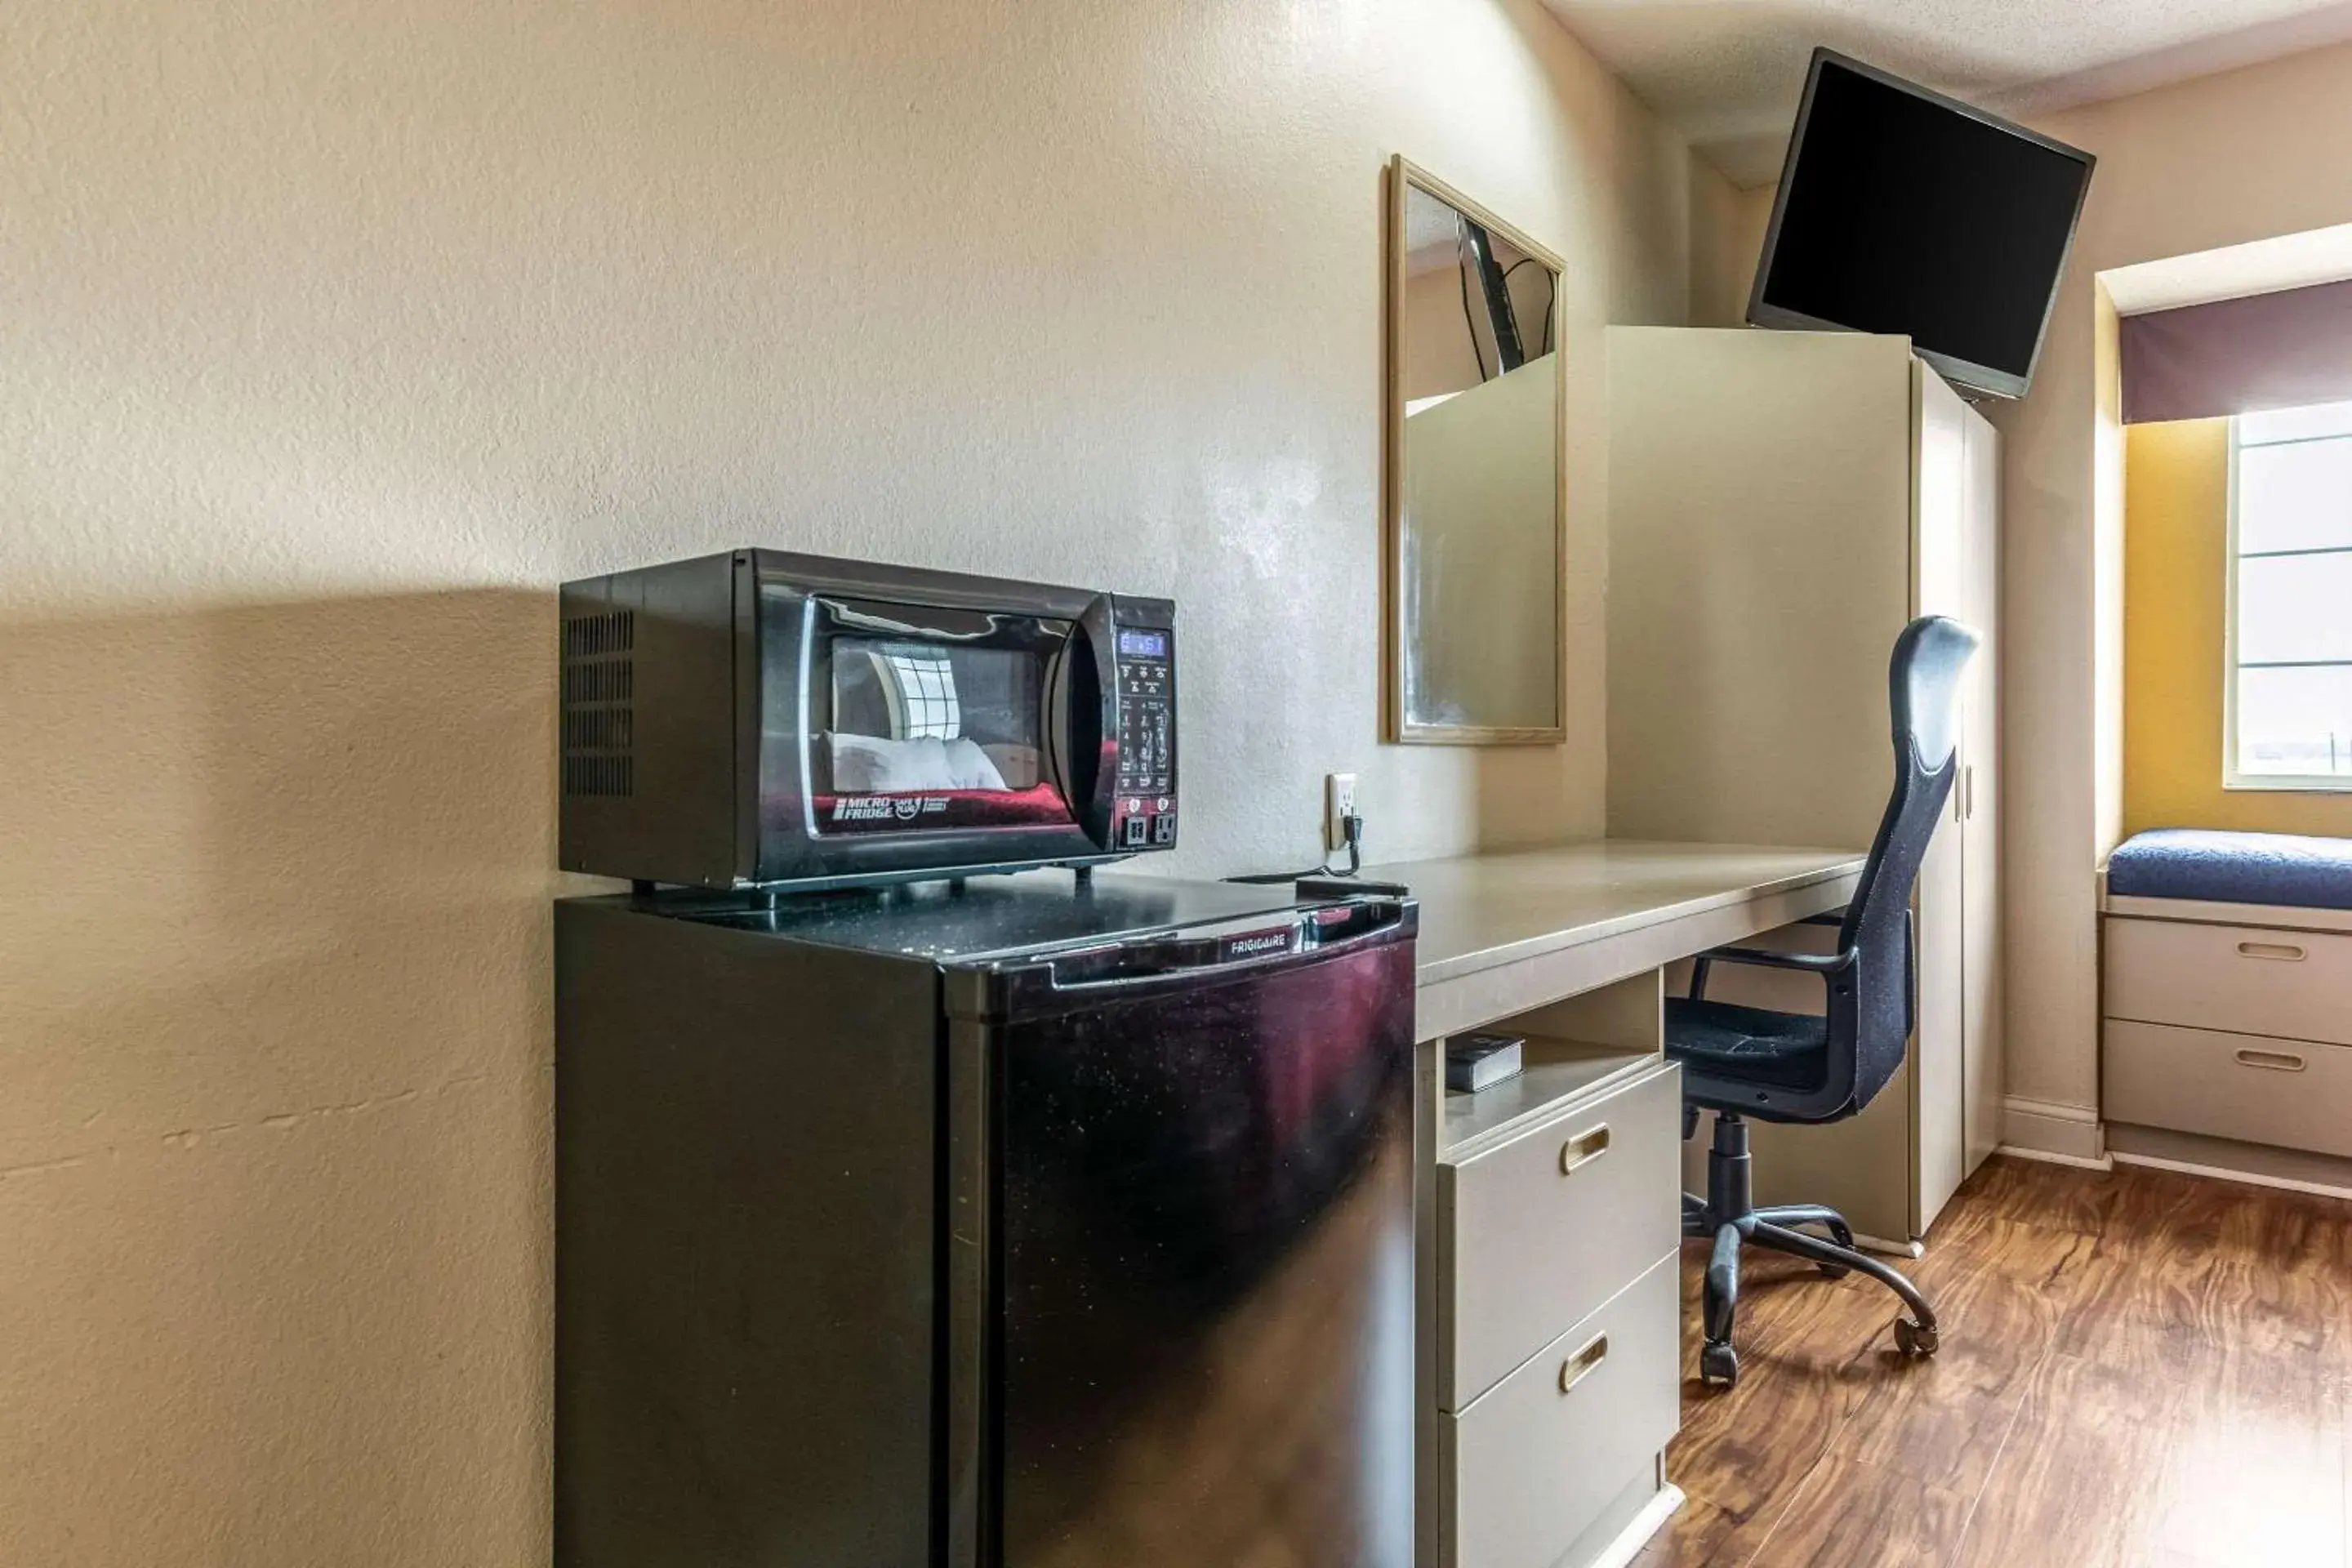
pixel 2218 161
pixel 333 334
pixel 1728 227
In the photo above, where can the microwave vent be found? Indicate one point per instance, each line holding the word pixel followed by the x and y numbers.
pixel 599 723
pixel 586 636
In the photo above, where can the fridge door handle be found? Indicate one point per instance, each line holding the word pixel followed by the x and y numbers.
pixel 1138 966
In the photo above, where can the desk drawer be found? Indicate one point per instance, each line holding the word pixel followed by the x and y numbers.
pixel 2289 1093
pixel 1535 1234
pixel 2245 979
pixel 1529 1465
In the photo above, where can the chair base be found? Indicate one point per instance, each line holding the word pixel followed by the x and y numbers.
pixel 1729 1216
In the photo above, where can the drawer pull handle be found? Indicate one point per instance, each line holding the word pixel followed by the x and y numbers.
pixel 1583 1149
pixel 2276 1061
pixel 2281 951
pixel 1583 1364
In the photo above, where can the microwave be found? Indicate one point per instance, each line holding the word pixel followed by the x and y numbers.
pixel 764 719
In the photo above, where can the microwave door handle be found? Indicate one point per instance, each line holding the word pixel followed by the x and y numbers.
pixel 1087 778
pixel 1054 729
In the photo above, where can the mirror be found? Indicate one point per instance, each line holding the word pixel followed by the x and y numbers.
pixel 1473 491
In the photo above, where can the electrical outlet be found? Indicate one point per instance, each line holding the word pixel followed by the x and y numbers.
pixel 1339 803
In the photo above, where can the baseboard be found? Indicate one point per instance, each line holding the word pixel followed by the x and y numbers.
pixel 2072 1134
pixel 1886 1248
pixel 2226 1160
pixel 2047 1157
pixel 1637 1533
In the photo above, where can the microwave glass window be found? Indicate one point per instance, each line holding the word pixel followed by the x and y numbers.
pixel 922 717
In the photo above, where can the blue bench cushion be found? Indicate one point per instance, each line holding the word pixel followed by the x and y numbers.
pixel 2234 869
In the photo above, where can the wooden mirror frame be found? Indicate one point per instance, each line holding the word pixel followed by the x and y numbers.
pixel 1403 176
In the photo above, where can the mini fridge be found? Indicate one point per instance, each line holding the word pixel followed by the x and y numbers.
pixel 1035 1223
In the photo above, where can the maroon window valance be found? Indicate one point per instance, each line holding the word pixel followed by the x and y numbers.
pixel 2239 356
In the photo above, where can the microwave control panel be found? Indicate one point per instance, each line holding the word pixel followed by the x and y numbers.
pixel 1145 817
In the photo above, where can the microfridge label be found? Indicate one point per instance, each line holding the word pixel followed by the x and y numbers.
pixel 884 807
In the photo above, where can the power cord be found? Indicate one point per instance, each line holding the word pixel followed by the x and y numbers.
pixel 1352 832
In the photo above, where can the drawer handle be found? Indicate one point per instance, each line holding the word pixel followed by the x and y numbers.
pixel 1583 1364
pixel 1583 1149
pixel 2276 1061
pixel 2283 952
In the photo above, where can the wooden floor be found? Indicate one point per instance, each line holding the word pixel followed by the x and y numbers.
pixel 2138 1368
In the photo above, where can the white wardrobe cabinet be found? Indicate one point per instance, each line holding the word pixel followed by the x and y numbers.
pixel 1781 505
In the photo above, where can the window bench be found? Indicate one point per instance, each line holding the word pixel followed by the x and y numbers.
pixel 2227 980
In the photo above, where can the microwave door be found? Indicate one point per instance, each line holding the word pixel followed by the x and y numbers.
pixel 927 721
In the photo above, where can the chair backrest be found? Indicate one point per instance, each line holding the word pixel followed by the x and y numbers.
pixel 1871 999
pixel 1870 1005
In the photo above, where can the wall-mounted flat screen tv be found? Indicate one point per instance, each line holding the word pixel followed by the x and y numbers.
pixel 1903 210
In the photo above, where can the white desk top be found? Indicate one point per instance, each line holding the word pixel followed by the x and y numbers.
pixel 1506 931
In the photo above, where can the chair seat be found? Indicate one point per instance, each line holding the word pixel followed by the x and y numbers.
pixel 1780 1050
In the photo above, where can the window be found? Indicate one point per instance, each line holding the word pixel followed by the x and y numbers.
pixel 2289 699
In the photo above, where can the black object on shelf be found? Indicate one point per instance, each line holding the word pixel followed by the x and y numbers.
pixel 1474 1062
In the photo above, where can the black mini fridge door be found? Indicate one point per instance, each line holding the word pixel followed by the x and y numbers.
pixel 1181 1328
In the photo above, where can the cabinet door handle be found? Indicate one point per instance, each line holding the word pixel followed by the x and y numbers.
pixel 1584 1363
pixel 2281 951
pixel 2274 1061
pixel 1969 790
pixel 1583 1149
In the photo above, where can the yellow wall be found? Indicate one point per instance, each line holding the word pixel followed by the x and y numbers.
pixel 334 333
pixel 2177 517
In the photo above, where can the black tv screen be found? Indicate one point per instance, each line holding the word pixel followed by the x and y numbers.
pixel 1905 212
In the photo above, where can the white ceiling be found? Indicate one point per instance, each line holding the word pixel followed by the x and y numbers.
pixel 1727 73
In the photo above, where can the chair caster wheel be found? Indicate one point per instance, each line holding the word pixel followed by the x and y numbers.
pixel 1913 1339
pixel 1718 1364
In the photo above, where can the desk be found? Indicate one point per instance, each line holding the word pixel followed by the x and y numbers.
pixel 1505 933
pixel 1550 1352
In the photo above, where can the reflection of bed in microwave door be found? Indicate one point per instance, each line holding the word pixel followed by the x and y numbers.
pixel 871 764
pixel 912 715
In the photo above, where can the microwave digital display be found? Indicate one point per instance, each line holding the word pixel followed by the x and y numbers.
pixel 1133 644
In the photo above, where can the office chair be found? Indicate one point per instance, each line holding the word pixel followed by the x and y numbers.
pixel 1747 1062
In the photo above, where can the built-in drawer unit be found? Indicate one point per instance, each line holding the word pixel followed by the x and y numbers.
pixel 1531 1462
pixel 2295 1094
pixel 1540 1228
pixel 2248 980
